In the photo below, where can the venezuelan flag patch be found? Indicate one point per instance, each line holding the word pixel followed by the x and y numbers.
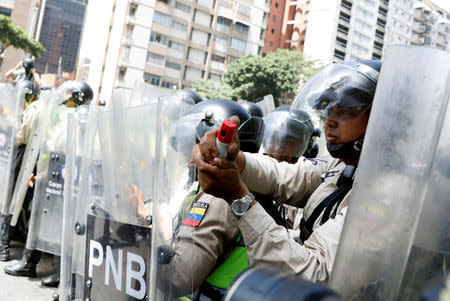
pixel 196 214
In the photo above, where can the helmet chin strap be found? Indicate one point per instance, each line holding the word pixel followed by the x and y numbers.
pixel 345 150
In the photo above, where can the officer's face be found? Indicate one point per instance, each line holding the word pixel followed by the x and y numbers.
pixel 344 125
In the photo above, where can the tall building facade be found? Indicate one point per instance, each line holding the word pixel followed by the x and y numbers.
pixel 339 30
pixel 169 43
pixel 60 32
pixel 286 24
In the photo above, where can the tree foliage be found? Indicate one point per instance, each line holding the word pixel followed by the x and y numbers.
pixel 278 73
pixel 211 90
pixel 12 35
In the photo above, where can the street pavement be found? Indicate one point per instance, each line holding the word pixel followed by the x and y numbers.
pixel 24 288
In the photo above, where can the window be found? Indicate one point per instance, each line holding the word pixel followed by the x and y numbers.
pixel 224 22
pixel 183 7
pixel 165 1
pixel 339 54
pixel 220 41
pixel 173 65
pixel 270 44
pixel 161 18
pixel 215 77
pixel 200 37
pixel 179 26
pixel 176 46
pixel 238 44
pixel 122 72
pixel 202 18
pixel 272 31
pixel 196 56
pixel 155 59
pixel 152 79
pixel 342 42
pixel 158 38
pixel 344 17
pixel 168 85
pixel 361 37
pixel 304 32
pixel 363 13
pixel 276 4
pixel 241 27
pixel 129 32
pixel 360 49
pixel 244 9
pixel 126 52
pixel 369 3
pixel 363 26
pixel 132 11
pixel 225 3
pixel 275 18
pixel 218 58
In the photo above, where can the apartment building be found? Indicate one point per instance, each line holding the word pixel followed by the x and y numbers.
pixel 286 25
pixel 167 43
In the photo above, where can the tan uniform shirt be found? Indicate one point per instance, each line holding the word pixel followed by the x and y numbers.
pixel 29 119
pixel 304 184
pixel 198 248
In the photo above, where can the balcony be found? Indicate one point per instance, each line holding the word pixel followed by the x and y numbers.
pixel 443 28
pixel 217 66
pixel 418 41
pixel 419 14
pixel 181 14
pixel 172 73
pixel 223 28
pixel 441 40
pixel 419 28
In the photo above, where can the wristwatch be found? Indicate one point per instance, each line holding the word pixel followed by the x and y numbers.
pixel 240 206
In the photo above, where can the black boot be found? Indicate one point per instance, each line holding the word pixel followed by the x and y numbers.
pixel 53 279
pixel 26 266
pixel 5 227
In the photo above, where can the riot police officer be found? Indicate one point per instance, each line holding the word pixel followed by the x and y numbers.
pixel 70 95
pixel 24 70
pixel 344 93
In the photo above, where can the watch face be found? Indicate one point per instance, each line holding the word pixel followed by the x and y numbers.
pixel 239 207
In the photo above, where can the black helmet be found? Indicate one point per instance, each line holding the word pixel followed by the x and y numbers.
pixel 253 109
pixel 188 93
pixel 30 90
pixel 210 114
pixel 77 91
pixel 349 85
pixel 286 137
pixel 28 64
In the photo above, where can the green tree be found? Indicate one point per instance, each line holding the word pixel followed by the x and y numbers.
pixel 211 90
pixel 12 35
pixel 278 73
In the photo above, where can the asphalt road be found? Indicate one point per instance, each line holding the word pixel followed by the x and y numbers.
pixel 24 288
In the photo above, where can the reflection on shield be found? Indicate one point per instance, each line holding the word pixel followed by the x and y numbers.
pixel 396 235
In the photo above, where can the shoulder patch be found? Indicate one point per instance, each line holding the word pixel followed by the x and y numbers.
pixel 329 174
pixel 196 214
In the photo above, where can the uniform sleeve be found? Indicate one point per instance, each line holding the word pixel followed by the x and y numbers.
pixel 287 183
pixel 198 248
pixel 270 245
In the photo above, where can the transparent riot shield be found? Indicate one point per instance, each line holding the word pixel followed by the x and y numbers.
pixel 45 226
pixel 396 235
pixel 175 188
pixel 11 104
pixel 107 223
pixel 47 103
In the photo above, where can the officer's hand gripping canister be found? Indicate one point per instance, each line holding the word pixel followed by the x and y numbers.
pixel 225 137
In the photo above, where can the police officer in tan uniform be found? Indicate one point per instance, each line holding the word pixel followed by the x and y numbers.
pixel 344 92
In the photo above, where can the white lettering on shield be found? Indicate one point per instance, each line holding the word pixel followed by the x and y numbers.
pixel 117 269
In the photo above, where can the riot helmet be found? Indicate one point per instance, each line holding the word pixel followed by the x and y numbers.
pixel 74 93
pixel 340 92
pixel 253 109
pixel 28 65
pixel 210 114
pixel 286 137
pixel 29 90
pixel 188 93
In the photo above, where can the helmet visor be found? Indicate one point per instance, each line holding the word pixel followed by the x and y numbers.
pixel 336 85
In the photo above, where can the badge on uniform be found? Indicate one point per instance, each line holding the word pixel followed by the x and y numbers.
pixel 196 214
pixel 329 174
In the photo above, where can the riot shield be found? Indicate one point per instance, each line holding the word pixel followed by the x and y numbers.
pixel 47 206
pixel 47 103
pixel 175 188
pixel 396 231
pixel 108 229
pixel 11 104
